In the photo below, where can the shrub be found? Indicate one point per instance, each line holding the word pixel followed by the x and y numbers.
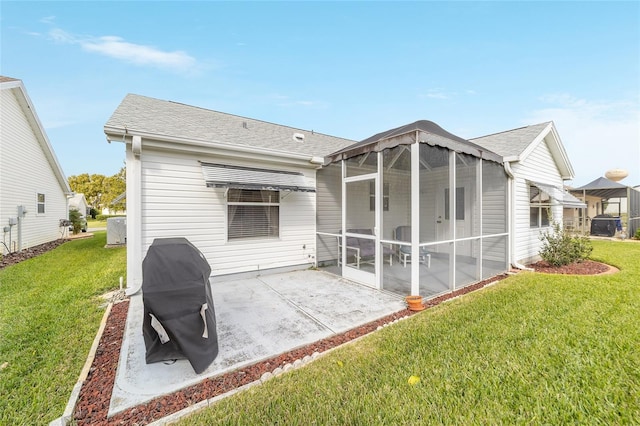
pixel 637 234
pixel 560 248
pixel 76 220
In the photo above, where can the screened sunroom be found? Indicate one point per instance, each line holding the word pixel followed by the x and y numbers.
pixel 414 210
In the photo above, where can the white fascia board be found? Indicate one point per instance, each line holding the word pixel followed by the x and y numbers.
pixel 40 134
pixel 209 147
pixel 534 144
pixel 557 151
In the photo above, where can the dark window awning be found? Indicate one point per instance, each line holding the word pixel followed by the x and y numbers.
pixel 561 196
pixel 239 177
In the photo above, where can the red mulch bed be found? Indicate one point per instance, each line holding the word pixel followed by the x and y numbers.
pixel 17 257
pixel 586 267
pixel 93 402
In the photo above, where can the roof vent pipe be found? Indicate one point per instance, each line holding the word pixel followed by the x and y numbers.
pixel 298 137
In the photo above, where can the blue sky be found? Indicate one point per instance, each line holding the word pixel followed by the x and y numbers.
pixel 348 69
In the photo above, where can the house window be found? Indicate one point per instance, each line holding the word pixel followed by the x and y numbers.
pixel 539 207
pixel 459 203
pixel 253 214
pixel 40 203
pixel 385 196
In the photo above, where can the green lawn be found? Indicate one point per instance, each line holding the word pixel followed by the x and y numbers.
pixel 532 349
pixel 49 316
pixel 93 223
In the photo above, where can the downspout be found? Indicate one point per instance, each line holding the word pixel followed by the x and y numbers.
pixel 511 207
pixel 134 216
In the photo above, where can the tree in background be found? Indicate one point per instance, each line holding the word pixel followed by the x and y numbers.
pixel 114 187
pixel 99 190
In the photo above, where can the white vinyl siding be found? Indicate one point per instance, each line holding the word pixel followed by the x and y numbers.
pixel 177 203
pixel 26 172
pixel 329 210
pixel 539 166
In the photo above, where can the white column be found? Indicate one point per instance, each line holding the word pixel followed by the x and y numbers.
pixel 452 219
pixel 415 217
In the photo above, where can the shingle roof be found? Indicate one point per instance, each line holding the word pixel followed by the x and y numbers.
pixel 175 120
pixel 430 133
pixel 511 143
pixel 4 79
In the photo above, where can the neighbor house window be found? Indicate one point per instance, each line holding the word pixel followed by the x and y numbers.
pixel 253 213
pixel 459 203
pixel 539 207
pixel 40 203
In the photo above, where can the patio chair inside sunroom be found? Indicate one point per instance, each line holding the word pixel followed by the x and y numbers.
pixel 446 194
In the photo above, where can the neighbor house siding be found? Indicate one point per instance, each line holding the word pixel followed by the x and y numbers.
pixel 539 166
pixel 177 203
pixel 26 171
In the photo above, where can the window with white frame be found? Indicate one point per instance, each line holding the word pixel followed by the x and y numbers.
pixel 253 214
pixel 539 207
pixel 40 203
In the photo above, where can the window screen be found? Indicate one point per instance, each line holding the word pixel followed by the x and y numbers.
pixel 253 214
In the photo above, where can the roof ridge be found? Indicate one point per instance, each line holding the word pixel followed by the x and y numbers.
pixel 546 123
pixel 240 116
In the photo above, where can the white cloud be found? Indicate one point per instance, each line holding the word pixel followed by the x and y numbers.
pixel 286 101
pixel 137 54
pixel 598 135
pixel 436 94
pixel 48 19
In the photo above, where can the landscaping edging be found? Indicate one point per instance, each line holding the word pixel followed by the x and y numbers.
pixel 92 404
pixel 75 392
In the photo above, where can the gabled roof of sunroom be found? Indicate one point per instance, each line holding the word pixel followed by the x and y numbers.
pixel 422 131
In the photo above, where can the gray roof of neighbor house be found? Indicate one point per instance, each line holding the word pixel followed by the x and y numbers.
pixel 511 143
pixel 602 187
pixel 167 120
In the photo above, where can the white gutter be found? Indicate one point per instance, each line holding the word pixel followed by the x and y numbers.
pixel 511 209
pixel 209 145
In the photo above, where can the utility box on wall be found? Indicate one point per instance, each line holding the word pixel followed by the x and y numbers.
pixel 116 230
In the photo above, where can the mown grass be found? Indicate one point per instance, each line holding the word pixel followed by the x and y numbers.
pixel 49 316
pixel 532 349
pixel 94 223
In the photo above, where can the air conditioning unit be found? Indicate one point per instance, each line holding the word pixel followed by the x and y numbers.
pixel 116 230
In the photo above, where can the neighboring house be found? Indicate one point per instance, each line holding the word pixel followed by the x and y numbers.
pixel 33 188
pixel 602 193
pixel 79 202
pixel 539 165
pixel 111 211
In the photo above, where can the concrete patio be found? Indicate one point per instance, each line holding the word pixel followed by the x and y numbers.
pixel 258 317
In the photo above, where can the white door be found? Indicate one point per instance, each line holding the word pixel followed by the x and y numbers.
pixel 360 243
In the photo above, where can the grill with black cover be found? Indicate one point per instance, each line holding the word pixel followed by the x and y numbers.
pixel 179 317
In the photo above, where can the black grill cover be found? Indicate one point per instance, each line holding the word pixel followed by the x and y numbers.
pixel 603 224
pixel 175 286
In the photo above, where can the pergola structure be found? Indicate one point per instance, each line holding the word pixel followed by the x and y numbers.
pixel 606 189
pixel 413 210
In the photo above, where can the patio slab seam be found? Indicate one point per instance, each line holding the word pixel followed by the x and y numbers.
pixel 298 307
